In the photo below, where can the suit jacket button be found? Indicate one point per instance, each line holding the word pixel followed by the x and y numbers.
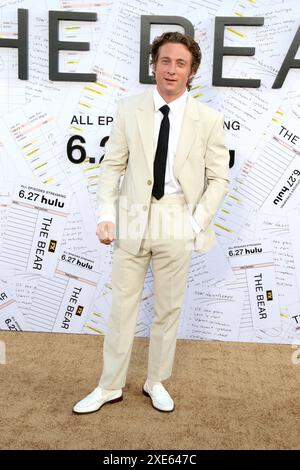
pixel 149 182
pixel 145 208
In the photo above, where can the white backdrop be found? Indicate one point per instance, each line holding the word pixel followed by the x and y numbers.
pixel 54 274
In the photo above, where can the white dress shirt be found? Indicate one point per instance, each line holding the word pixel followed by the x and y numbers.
pixel 176 113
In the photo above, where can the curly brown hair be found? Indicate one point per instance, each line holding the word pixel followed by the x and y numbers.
pixel 179 38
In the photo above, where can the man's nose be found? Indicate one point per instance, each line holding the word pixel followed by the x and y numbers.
pixel 171 69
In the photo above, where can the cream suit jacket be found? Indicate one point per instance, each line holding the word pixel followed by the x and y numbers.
pixel 201 166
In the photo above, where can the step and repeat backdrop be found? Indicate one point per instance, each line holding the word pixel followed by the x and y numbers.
pixel 54 274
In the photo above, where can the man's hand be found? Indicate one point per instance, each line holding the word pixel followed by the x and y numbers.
pixel 106 232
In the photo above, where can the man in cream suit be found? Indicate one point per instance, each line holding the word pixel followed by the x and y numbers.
pixel 169 150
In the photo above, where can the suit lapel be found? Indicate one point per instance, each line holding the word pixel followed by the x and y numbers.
pixel 187 135
pixel 145 117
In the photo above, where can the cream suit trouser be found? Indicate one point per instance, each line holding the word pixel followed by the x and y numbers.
pixel 168 242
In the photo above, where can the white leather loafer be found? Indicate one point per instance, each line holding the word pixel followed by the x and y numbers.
pixel 160 398
pixel 97 398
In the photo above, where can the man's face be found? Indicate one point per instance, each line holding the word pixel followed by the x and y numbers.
pixel 173 69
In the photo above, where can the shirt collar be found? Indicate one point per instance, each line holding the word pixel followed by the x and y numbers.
pixel 175 106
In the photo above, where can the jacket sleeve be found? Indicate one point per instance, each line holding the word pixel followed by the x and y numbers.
pixel 113 166
pixel 216 175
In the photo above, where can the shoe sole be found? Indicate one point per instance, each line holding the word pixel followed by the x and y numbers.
pixel 115 400
pixel 158 409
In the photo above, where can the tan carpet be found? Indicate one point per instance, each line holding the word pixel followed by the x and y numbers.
pixel 227 396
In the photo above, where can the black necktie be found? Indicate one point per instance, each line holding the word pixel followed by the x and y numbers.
pixel 160 160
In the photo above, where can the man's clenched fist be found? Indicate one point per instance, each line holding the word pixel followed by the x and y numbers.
pixel 106 232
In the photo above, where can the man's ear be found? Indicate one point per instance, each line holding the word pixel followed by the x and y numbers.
pixel 192 74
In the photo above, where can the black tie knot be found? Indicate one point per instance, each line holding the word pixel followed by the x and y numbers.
pixel 165 110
